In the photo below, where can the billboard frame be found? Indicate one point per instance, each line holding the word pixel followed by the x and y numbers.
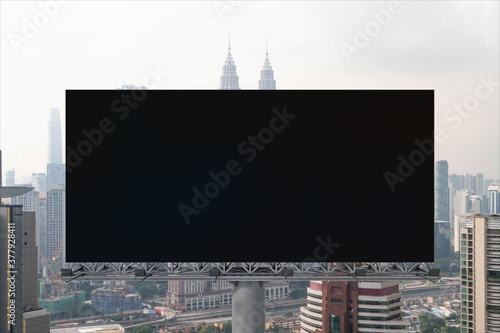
pixel 249 271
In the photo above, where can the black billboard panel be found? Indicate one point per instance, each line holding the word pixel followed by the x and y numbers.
pixel 249 176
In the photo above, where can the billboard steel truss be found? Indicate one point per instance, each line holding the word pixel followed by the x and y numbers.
pixel 249 271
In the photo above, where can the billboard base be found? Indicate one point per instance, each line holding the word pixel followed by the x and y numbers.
pixel 249 307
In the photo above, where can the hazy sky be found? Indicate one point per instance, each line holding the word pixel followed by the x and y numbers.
pixel 452 47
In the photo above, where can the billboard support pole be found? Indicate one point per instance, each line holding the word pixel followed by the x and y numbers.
pixel 249 307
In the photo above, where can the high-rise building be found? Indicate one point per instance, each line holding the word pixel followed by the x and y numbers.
pixel 494 202
pixel 19 310
pixel 441 196
pixel 229 79
pixel 30 202
pixel 10 177
pixel 267 81
pixel 456 181
pixel 53 241
pixel 56 171
pixel 441 239
pixel 55 141
pixel 480 273
pixel 459 204
pixel 470 182
pixel 479 184
pixel 56 175
pixel 487 183
pixel 39 181
pixel 478 204
pixel 352 307
pixel 474 183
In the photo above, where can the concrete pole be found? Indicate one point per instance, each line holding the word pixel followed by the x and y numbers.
pixel 249 307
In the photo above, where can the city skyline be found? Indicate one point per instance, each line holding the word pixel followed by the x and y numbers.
pixel 450 47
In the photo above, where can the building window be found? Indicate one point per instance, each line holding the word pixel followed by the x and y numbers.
pixel 337 290
pixel 336 300
pixel 334 323
pixel 350 301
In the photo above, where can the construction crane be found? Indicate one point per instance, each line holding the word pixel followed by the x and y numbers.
pixel 54 268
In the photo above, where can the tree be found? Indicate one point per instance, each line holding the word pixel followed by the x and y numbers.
pixel 298 284
pixel 85 286
pixel 145 289
pixel 142 329
pixel 209 329
pixel 298 293
pixel 288 315
pixel 81 309
pixel 444 264
pixel 429 323
pixel 227 327
pixel 451 329
pixel 452 316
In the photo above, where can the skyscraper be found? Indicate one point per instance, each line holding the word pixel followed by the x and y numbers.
pixel 267 81
pixel 39 181
pixel 474 183
pixel 478 204
pixel 480 273
pixel 441 197
pixel 461 205
pixel 487 183
pixel 494 205
pixel 350 307
pixel 30 202
pixel 479 184
pixel 56 175
pixel 10 177
pixel 441 239
pixel 55 225
pixel 229 79
pixel 55 141
pixel 56 172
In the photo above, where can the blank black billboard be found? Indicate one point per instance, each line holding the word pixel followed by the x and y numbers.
pixel 249 175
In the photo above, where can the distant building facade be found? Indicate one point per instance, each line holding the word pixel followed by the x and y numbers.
pixel 39 182
pixel 441 239
pixel 115 300
pixel 441 196
pixel 54 230
pixel 494 198
pixel 193 295
pixel 10 177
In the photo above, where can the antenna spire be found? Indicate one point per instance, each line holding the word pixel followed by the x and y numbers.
pixel 266 47
pixel 229 38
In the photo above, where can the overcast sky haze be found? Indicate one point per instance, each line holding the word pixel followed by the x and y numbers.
pixel 450 47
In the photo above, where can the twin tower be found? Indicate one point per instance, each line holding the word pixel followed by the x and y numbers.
pixel 229 78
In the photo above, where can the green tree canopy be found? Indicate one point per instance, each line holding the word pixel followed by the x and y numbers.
pixel 142 329
pixel 430 323
pixel 227 327
pixel 298 293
